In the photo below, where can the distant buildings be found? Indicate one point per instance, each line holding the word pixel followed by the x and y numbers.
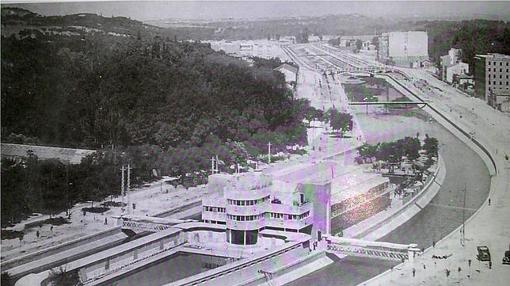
pixel 254 48
pixel 452 66
pixel 492 80
pixel 350 41
pixel 403 48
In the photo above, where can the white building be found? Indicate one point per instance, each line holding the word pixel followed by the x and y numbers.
pixel 313 199
pixel 252 202
pixel 451 65
pixel 403 48
pixel 459 68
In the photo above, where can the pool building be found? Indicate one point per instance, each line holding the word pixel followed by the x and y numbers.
pixel 317 198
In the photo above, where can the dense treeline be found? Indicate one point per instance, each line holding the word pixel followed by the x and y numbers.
pixel 100 92
pixel 161 105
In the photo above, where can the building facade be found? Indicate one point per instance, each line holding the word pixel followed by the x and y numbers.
pixel 403 48
pixel 492 79
pixel 252 202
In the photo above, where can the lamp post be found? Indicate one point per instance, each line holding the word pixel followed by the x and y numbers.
pixel 366 105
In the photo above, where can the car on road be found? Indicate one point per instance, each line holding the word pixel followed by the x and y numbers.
pixel 483 253
pixel 506 258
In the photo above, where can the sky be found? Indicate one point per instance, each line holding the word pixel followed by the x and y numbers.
pixel 206 10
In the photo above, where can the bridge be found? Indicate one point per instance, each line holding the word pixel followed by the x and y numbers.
pixel 372 249
pixel 387 103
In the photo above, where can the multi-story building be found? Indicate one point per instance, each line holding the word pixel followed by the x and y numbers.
pixel 312 199
pixel 403 48
pixel 492 80
pixel 253 202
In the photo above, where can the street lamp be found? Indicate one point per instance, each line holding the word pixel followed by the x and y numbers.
pixel 366 104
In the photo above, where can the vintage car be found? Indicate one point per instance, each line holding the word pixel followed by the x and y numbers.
pixel 483 253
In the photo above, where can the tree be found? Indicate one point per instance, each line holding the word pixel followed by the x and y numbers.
pixel 6 279
pixel 62 277
pixel 359 45
pixel 341 122
pixel 367 151
pixel 430 145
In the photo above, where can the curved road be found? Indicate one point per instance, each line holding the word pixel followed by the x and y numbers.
pixel 465 169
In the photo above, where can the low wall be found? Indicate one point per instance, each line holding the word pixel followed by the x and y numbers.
pixel 58 248
pixel 474 144
pixel 409 209
pixel 240 270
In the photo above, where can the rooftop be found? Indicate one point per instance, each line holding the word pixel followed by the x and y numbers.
pixel 287 67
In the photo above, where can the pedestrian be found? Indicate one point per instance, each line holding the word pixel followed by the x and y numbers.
pixel 51 228
pixel 37 234
pixel 433 243
pixel 414 272
pixel 105 221
pixel 447 273
pixel 469 262
pixel 490 264
pixel 460 269
pixel 489 201
pixel 424 267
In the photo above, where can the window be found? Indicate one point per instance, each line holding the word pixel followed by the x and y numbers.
pixel 489 69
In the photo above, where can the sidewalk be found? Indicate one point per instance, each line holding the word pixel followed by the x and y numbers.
pixel 149 201
pixel 488 226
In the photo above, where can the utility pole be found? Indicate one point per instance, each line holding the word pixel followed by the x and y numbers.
pixel 128 185
pixel 122 190
pixel 125 188
pixel 269 153
pixel 463 239
pixel 212 165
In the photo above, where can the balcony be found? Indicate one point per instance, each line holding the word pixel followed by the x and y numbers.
pixel 216 216
pixel 246 225
pixel 290 209
pixel 247 210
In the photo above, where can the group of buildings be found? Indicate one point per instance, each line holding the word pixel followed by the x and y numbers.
pixel 488 79
pixel 303 200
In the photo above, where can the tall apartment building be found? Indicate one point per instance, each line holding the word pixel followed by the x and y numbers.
pixel 492 80
pixel 403 48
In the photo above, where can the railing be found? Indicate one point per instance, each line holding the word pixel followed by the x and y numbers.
pixel 144 226
pixel 478 144
pixel 373 249
pixel 367 252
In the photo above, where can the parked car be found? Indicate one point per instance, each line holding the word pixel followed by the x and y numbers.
pixel 506 258
pixel 483 253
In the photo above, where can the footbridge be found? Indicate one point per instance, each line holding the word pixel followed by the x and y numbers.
pixel 372 249
pixel 147 223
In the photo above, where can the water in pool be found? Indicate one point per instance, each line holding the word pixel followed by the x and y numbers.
pixel 175 267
